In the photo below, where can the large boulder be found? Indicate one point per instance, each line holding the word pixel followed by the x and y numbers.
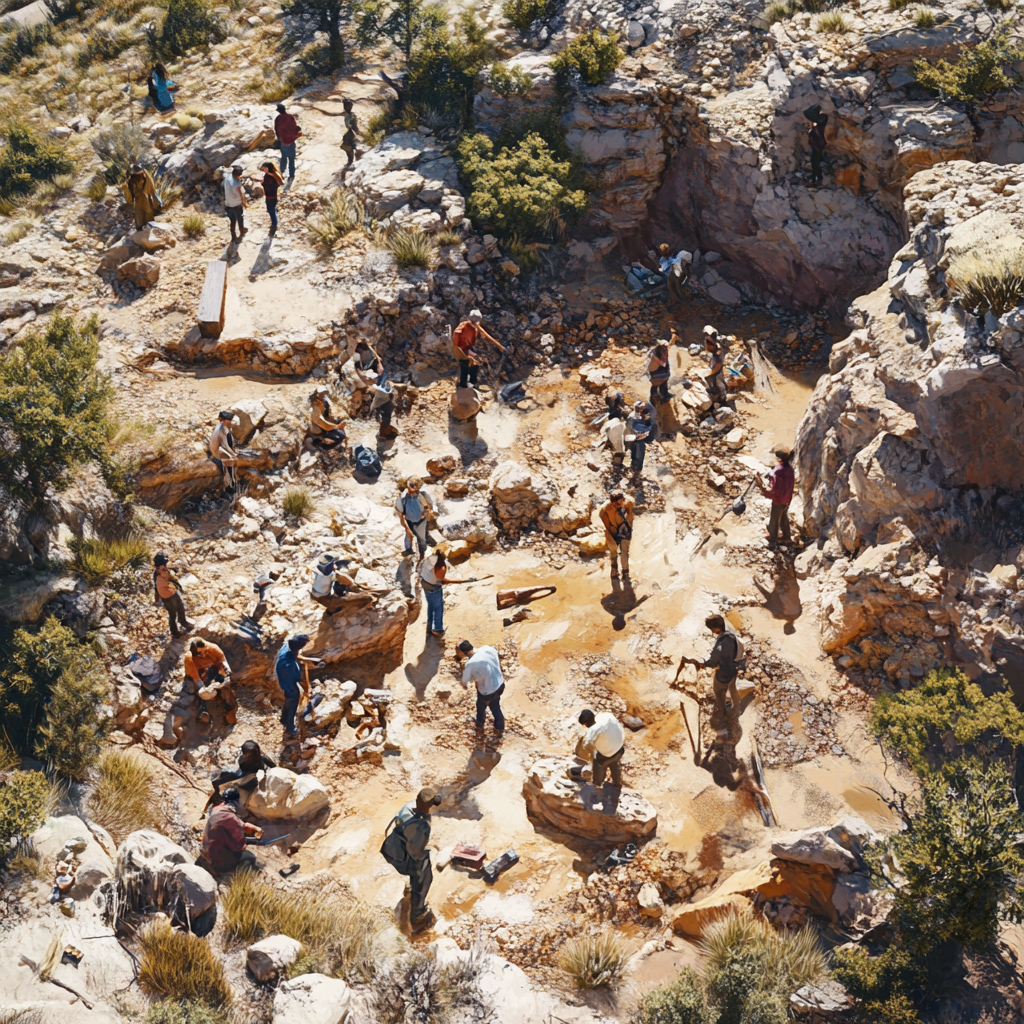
pixel 152 871
pixel 223 140
pixel 520 495
pixel 692 918
pixel 23 598
pixel 153 236
pixel 839 847
pixel 143 271
pixel 58 837
pixel 465 403
pixel 312 999
pixel 272 955
pixel 568 514
pixel 580 809
pixel 283 794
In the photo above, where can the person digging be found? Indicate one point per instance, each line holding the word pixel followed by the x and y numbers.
pixel 483 669
pixel 207 667
pixel 603 744
pixel 464 339
pixel 722 659
pixel 292 668
pixel 405 849
pixel 334 587
pixel 225 835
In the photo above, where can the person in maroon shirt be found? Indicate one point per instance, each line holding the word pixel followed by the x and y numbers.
pixel 287 130
pixel 224 837
pixel 781 481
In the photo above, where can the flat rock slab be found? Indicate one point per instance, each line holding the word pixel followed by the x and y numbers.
pixel 580 809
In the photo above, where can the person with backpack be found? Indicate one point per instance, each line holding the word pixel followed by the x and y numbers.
pixel 405 849
pixel 464 339
pixel 725 655
pixel 167 592
pixel 617 516
pixel 412 506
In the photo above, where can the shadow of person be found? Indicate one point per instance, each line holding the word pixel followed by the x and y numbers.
pixel 262 262
pixel 783 600
pixel 424 669
pixel 620 602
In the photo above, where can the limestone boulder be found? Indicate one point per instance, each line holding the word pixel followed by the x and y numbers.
pixel 313 999
pixel 224 139
pixel 568 514
pixel 89 876
pixel 283 794
pixel 472 524
pixel 144 271
pixel 195 888
pixel 23 597
pixel 154 236
pixel 464 403
pixel 249 416
pixel 337 697
pixel 520 495
pixel 60 836
pixel 821 1001
pixel 692 918
pixel 153 871
pixel 814 846
pixel 593 544
pixel 580 809
pixel 272 955
pixel 650 902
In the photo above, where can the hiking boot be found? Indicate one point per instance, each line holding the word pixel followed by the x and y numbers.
pixel 231 718
pixel 419 924
pixel 245 231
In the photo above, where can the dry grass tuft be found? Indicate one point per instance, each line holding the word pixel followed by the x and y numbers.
pixel 342 213
pixel 181 966
pixel 18 230
pixel 194 225
pixel 988 285
pixel 123 799
pixel 96 559
pixel 341 938
pixel 298 502
pixel 411 248
pixel 834 23
pixel 96 189
pixel 924 19
pixel 594 961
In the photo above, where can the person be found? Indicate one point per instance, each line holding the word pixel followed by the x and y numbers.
pixel 483 668
pixel 325 431
pixel 234 203
pixel 206 665
pixel 160 88
pixel 676 270
pixel 433 576
pixel 605 743
pixel 167 591
pixel 334 588
pixel 723 660
pixel 383 405
pixel 715 379
pixel 368 364
pixel 405 848
pixel 464 339
pixel 639 425
pixel 289 673
pixel 287 130
pixel 272 182
pixel 614 427
pixel 816 137
pixel 412 506
pixel 140 193
pixel 223 452
pixel 781 482
pixel 225 834
pixel 348 140
pixel 617 515
pixel 659 371
pixel 250 761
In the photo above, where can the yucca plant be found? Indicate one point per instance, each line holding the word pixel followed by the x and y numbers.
pixel 411 247
pixel 987 285
pixel 342 213
pixel 97 559
pixel 594 961
pixel 834 23
pixel 123 799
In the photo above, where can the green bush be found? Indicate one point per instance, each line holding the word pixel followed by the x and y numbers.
pixel 403 23
pixel 882 985
pixel 69 737
pixel 730 983
pixel 327 16
pixel 343 212
pixel 24 42
pixel 188 23
pixel 510 81
pixel 980 70
pixel 97 559
pixel 764 1008
pixel 29 159
pixel 682 1002
pixel 523 13
pixel 592 56
pixel 53 409
pixel 106 44
pixel 24 797
pixel 523 191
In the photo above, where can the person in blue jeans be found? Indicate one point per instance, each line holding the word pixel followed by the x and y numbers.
pixel 289 674
pixel 483 669
pixel 272 182
pixel 433 576
pixel 287 130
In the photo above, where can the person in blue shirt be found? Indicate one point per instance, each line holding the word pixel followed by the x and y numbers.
pixel 160 88
pixel 289 675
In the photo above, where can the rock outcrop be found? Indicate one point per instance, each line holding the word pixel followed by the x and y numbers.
pixel 272 955
pixel 152 871
pixel 313 999
pixel 520 495
pixel 283 794
pixel 577 807
pixel 225 137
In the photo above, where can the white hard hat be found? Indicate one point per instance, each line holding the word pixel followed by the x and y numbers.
pixel 475 314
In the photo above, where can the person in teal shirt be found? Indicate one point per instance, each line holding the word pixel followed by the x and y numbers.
pixel 160 88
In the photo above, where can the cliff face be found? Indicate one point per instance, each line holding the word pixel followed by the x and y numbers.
pixel 909 455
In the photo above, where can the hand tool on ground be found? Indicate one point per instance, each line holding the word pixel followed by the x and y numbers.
pixel 737 508
pixel 522 595
pixel 266 842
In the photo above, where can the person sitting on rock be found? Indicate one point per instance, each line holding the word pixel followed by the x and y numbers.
pixel 334 587
pixel 603 743
pixel 225 835
pixel 206 666
pixel 324 430
pixel 160 88
pixel 250 761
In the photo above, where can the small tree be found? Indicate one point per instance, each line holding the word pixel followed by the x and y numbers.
pixel 980 70
pixel 53 409
pixel 28 159
pixel 188 23
pixel 591 57
pixel 403 22
pixel 23 800
pixel 327 15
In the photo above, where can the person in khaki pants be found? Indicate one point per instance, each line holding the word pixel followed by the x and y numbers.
pixel 617 515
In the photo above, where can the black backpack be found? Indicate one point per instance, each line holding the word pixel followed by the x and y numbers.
pixel 367 461
pixel 393 849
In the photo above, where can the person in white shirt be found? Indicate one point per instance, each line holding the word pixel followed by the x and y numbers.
pixel 234 202
pixel 222 450
pixel 412 506
pixel 483 668
pixel 605 742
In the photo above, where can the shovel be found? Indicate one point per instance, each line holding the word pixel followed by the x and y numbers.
pixel 523 595
pixel 738 507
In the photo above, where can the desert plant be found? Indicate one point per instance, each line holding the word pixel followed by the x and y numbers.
pixel 96 189
pixel 24 801
pixel 416 987
pixel 105 43
pixel 776 12
pixel 594 961
pixel 898 5
pixel 449 236
pixel 519 191
pixel 276 91
pixel 194 225
pixel 168 191
pixel 188 23
pixel 25 860
pixel 882 985
pixel 122 798
pixel 510 81
pixel 764 1007
pixel 69 737
pixel 29 159
pixel 181 966
pixel 377 127
pixel 411 247
pixel 64 182
pixel 120 147
pixel 343 936
pixel 97 558
pixel 981 69
pixel 833 23
pixel 187 122
pixel 298 502
pixel 19 229
pixel 24 42
pixel 987 285
pixel 924 19
pixel 174 1011
pixel 682 1002
pixel 523 13
pixel 592 56
pixel 342 213
pixel 326 15
pixel 401 22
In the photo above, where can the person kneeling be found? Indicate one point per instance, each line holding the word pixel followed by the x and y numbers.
pixel 225 836
pixel 322 428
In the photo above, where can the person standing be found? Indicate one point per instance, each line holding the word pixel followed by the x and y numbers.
pixel 464 339
pixel 348 140
pixel 604 742
pixel 235 203
pixel 272 182
pixel 405 849
pixel 781 483
pixel 722 659
pixel 659 371
pixel 816 138
pixel 383 406
pixel 160 88
pixel 676 270
pixel 225 835
pixel 167 591
pixel 433 576
pixel 222 451
pixel 483 668
pixel 715 379
pixel 289 674
pixel 617 515
pixel 412 506
pixel 639 425
pixel 206 666
pixel 140 192
pixel 287 130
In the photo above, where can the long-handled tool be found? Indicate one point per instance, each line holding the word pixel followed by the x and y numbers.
pixel 267 842
pixel 737 508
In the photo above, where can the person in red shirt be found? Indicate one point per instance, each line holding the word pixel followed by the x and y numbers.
pixel 287 130
pixel 224 837
pixel 781 482
pixel 464 339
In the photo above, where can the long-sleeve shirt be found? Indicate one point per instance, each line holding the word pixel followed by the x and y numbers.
pixel 484 670
pixel 223 838
pixel 210 656
pixel 817 138
pixel 723 657
pixel 287 129
pixel 605 736
pixel 781 484
pixel 289 671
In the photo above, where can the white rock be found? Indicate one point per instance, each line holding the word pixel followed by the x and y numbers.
pixel 153 236
pixel 56 833
pixel 312 999
pixel 650 901
pixel 270 956
pixel 283 794
pixel 736 438
pixel 196 889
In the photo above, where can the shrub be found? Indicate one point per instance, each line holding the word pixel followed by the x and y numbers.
pixel 69 737
pixel 449 236
pixel 96 189
pixel 740 974
pixel 980 70
pixel 592 56
pixel 64 182
pixel 594 961
pixel 275 92
pixel 342 936
pixel 194 225
pixel 416 987
pixel 377 127
pixel 19 230
pixel 327 16
pixel 882 984
pixel 403 23
pixel 105 43
pixel 24 42
pixel 523 13
pixel 121 146
pixel 987 285
pixel 188 23
pixel 411 248
pixel 833 23
pixel 24 801
pixel 97 559
pixel 167 190
pixel 190 1012
pixel 924 19
pixel 510 81
pixel 898 5
pixel 682 1002
pixel 123 799
pixel 181 966
pixel 776 12
pixel 343 212
pixel 764 1008
pixel 25 860
pixel 522 191
pixel 29 159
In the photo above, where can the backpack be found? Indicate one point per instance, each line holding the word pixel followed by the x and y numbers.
pixel 393 849
pixel 367 461
pixel 741 647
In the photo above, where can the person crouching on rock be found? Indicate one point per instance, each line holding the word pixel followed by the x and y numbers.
pixel 324 430
pixel 206 665
pixel 334 587
pixel 223 451
pixel 225 835
pixel 250 761
pixel 604 743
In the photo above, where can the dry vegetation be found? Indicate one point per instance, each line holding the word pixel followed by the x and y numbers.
pixel 181 966
pixel 122 799
pixel 594 961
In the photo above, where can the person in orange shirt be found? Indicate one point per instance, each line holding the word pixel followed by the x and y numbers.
pixel 464 339
pixel 206 665
pixel 167 591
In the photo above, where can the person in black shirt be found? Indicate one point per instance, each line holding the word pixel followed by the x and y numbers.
pixel 271 184
pixel 250 760
pixel 723 660
pixel 816 137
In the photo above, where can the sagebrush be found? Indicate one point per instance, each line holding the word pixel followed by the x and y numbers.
pixel 592 56
pixel 982 69
pixel 24 802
